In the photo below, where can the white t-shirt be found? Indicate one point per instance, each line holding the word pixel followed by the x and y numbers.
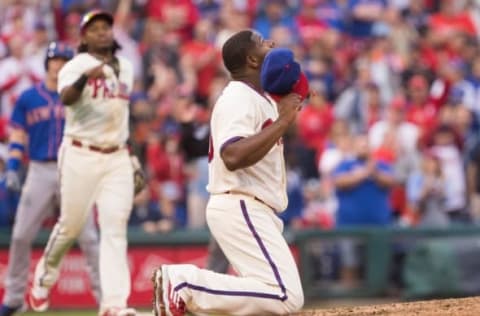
pixel 16 76
pixel 240 112
pixel 407 135
pixel 100 115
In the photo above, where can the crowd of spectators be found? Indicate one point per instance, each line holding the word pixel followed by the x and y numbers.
pixel 391 136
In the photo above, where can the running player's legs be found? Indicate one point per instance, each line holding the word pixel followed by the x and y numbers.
pixel 250 235
pixel 78 186
pixel 114 204
pixel 36 203
pixel 88 241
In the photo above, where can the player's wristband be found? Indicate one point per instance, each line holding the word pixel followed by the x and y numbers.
pixel 13 164
pixel 81 82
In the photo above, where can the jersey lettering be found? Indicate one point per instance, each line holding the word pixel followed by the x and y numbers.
pixel 100 88
pixel 44 113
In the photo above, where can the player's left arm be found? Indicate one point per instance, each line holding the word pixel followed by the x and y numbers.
pixel 16 144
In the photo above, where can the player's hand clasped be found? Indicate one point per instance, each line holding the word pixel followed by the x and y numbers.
pixel 288 108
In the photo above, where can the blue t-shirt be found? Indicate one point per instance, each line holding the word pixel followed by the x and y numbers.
pixel 367 203
pixel 361 28
pixel 39 112
pixel 333 14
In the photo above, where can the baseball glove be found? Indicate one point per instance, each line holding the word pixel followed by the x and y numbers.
pixel 139 179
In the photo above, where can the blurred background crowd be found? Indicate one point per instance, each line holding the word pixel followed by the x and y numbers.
pixel 391 136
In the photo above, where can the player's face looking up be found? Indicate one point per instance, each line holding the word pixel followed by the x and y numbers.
pixel 98 35
pixel 261 48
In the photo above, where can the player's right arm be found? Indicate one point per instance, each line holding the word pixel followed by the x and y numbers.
pixel 247 151
pixel 16 142
pixel 71 81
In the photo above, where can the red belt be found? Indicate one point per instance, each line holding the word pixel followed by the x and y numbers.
pixel 103 150
pixel 253 196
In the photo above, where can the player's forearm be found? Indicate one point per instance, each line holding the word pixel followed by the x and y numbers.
pixel 348 180
pixel 248 151
pixel 71 94
pixel 16 148
pixel 384 179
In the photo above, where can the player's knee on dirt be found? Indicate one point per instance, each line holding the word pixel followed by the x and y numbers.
pixel 295 302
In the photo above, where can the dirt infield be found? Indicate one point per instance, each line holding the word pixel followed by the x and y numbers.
pixel 449 307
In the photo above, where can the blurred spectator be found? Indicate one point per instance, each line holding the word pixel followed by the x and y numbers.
pixel 336 148
pixel 201 60
pixel 314 123
pixel 320 206
pixel 394 139
pixel 362 189
pixel 451 21
pixel 421 111
pixel 232 20
pixel 178 17
pixel 35 50
pixel 310 27
pixel 320 74
pixel 333 13
pixel 166 187
pixel 363 16
pixel 384 63
pixel 274 13
pixel 194 142
pixel 416 14
pixel 426 193
pixel 352 104
pixel 445 149
pixel 124 26
pixel 474 80
pixel 16 75
pixel 68 28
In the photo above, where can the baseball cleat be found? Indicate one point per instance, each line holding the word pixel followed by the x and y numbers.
pixel 117 311
pixel 39 299
pixel 163 298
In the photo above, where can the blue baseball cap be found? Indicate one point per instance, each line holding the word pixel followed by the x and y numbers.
pixel 281 74
pixel 58 50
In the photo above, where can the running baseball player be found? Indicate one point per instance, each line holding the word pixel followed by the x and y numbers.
pixel 94 163
pixel 37 120
pixel 247 187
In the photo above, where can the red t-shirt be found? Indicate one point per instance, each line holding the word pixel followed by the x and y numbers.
pixel 424 116
pixel 181 13
pixel 314 125
pixel 310 29
pixel 206 73
pixel 445 24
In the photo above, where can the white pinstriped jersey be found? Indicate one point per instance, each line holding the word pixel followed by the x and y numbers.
pixel 100 116
pixel 240 111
